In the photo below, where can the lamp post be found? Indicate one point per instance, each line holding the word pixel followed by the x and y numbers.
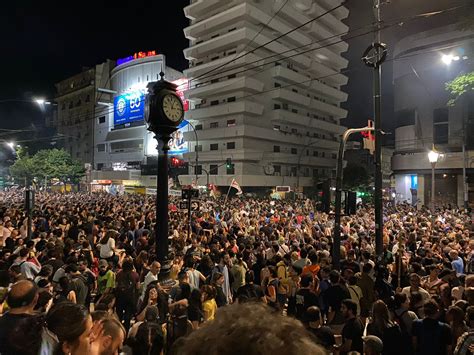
pixel 433 156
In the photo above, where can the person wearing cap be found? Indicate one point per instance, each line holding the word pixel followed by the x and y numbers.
pixel 372 345
pixel 105 280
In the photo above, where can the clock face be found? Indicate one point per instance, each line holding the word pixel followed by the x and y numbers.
pixel 172 107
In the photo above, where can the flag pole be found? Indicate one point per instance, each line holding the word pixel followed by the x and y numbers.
pixel 228 191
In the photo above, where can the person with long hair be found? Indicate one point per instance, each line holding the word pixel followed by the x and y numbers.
pixel 195 309
pixel 209 304
pixel 107 247
pixel 455 317
pixel 150 299
pixel 382 327
pixel 217 282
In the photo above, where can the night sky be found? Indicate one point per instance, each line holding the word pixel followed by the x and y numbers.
pixel 44 42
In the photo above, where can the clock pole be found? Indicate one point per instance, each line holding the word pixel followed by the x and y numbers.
pixel 161 242
pixel 164 112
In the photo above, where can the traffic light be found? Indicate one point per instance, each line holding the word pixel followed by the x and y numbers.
pixel 228 163
pixel 175 162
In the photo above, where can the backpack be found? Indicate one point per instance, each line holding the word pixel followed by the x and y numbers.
pixel 125 287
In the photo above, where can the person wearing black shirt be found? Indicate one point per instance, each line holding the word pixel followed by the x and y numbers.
pixel 429 335
pixel 323 335
pixel 21 299
pixel 250 292
pixel 350 262
pixel 305 297
pixel 353 329
pixel 333 298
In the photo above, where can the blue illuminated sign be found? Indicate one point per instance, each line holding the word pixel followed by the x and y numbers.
pixel 129 107
pixel 177 143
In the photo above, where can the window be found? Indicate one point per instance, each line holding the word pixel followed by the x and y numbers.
pixel 215 58
pixel 285 106
pixel 276 149
pixel 277 169
pixel 294 90
pixel 277 85
pixel 440 125
pixel 294 151
pixel 231 52
pixel 100 166
pixel 101 119
pixel 294 110
pixel 198 148
pixel 231 99
pixel 198 170
pixel 88 98
pixel 323 154
pixel 214 146
pixel 78 103
pixel 294 130
pixel 293 171
pixel 215 36
pixel 231 76
pixel 276 127
pixel 214 102
pixel 231 145
pixel 213 169
pixel 214 125
pixel 101 147
pixel 198 127
pixel 334 155
pixel 232 29
pixel 230 123
pixel 307 152
pixel 276 106
pixel 213 81
pixel 71 105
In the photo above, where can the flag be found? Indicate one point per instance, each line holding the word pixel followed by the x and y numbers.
pixel 369 138
pixel 214 192
pixel 236 186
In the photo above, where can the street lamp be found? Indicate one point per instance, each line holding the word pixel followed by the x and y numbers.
pixel 433 157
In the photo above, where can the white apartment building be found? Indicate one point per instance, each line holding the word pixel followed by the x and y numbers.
pixel 280 123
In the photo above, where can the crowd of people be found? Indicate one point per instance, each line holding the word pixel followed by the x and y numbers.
pixel 255 276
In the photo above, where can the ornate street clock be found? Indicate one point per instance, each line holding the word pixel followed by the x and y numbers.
pixel 164 110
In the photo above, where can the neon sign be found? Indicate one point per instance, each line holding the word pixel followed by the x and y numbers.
pixel 137 55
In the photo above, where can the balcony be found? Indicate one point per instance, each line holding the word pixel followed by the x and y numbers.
pixel 219 44
pixel 291 97
pixel 304 81
pixel 247 107
pixel 202 69
pixel 202 7
pixel 414 162
pixel 245 84
pixel 331 20
pixel 215 133
pixel 288 117
pixel 322 71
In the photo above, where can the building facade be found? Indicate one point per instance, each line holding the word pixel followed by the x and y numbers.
pixel 279 123
pixel 124 149
pixel 423 64
pixel 78 103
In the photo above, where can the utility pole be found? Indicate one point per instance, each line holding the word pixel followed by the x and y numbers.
pixel 336 247
pixel 373 57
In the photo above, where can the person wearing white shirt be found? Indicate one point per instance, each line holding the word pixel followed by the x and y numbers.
pixel 151 276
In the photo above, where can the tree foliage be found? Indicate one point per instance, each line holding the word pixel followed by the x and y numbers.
pixel 47 164
pixel 459 86
pixel 355 177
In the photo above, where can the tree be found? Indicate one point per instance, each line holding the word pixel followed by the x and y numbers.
pixel 48 164
pixel 459 86
pixel 23 170
pixel 355 177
